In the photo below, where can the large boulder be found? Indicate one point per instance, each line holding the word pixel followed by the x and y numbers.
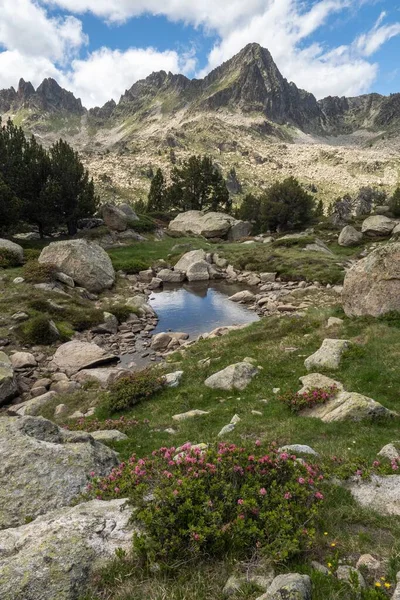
pixel 378 225
pixel 86 263
pixel 169 276
pixel 379 493
pixel 349 236
pixel 75 356
pixel 198 271
pixel 189 259
pixel 13 248
pixel 104 376
pixel 114 218
pixel 53 557
pixel 234 377
pixel 372 286
pixel 8 384
pixel 348 406
pixel 210 225
pixel 290 586
pixel 43 467
pixel 128 210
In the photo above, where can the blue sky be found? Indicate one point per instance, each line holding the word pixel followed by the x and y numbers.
pixel 99 48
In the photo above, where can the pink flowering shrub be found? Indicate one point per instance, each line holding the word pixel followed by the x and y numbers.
pixel 216 502
pixel 298 402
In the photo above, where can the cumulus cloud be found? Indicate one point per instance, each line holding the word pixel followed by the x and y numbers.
pixel 37 45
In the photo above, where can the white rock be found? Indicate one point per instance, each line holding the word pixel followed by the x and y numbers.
pixel 189 415
pixel 236 376
pixel 75 356
pixel 328 356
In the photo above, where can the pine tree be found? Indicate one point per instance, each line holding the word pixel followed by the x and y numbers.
pixel 395 203
pixel 156 198
pixel 286 206
pixel 69 188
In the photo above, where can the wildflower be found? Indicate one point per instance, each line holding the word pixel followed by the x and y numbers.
pixel 388 585
pixel 376 463
pixel 330 565
pixel 240 501
pixel 325 533
pixel 175 492
pixel 301 480
pixel 241 516
pixel 287 496
pixel 196 536
pixel 258 443
pixel 92 474
pixel 378 584
pixel 263 491
pixel 319 496
pixel 333 544
pixel 117 490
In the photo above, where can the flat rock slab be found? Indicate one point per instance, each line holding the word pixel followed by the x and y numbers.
pixel 32 407
pixel 234 377
pixel 380 493
pixel 8 383
pixel 43 467
pixel 316 380
pixel 189 415
pixel 52 557
pixel 23 360
pixel 328 356
pixel 348 406
pixel 105 376
pixel 108 435
pixel 289 587
pixel 75 356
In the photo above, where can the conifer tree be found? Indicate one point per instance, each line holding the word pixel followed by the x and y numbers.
pixel 156 198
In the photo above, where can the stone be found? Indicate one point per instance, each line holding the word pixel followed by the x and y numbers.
pixel 315 380
pixel 390 451
pixel 349 236
pixel 23 360
pixel 320 568
pixel 235 377
pixel 189 415
pixel 378 225
pixel 166 341
pixel 244 297
pixel 65 387
pixel 348 573
pixel 328 356
pixel 74 356
pixel 220 262
pixel 53 556
pixel 20 317
pixel 198 271
pixel 190 258
pixel 233 585
pixel 102 375
pixel 59 377
pixel 379 493
pixel 45 382
pixel 210 225
pixel 146 276
pixel 372 285
pixel 34 406
pixel 86 263
pixel 334 322
pixel 368 562
pixel 18 280
pixel 14 248
pixel 172 380
pixel 298 449
pixel 61 410
pixel 128 210
pixel 139 304
pixel 108 435
pixel 169 276
pixel 43 467
pixel 8 383
pixel 38 391
pixel 66 279
pixel 114 218
pixel 348 406
pixel 155 283
pixel 268 277
pixel 291 586
pixel 227 429
pixel 235 420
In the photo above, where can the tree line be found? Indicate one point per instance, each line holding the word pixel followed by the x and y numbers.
pixel 46 189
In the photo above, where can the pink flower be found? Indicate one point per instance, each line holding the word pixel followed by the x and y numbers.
pixel 175 492
pixel 358 472
pixel 240 501
pixel 319 496
pixel 258 443
pixel 301 480
pixel 241 516
pixel 263 491
pixel 376 463
pixel 117 490
pixel 287 496
pixel 196 536
pixel 92 474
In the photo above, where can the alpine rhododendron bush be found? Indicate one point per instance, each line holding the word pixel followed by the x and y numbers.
pixel 223 500
pixel 316 396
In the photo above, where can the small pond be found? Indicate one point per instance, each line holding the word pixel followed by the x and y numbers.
pixel 197 308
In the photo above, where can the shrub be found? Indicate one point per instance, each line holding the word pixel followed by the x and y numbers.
pixel 144 225
pixel 32 254
pixel 395 203
pixel 129 265
pixel 121 311
pixel 314 397
pixel 8 259
pixel 217 502
pixel 38 330
pixel 127 392
pixel 35 272
pixel 83 318
pixel 121 424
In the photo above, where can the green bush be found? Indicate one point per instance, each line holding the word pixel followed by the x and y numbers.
pixel 79 317
pixel 129 265
pixel 128 391
pixel 144 225
pixel 35 272
pixel 32 254
pixel 121 311
pixel 217 502
pixel 37 330
pixel 394 203
pixel 8 259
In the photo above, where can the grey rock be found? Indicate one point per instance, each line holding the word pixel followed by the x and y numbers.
pixel 190 258
pixel 23 360
pixel 372 285
pixel 390 451
pixel 348 406
pixel 8 383
pixel 86 263
pixel 347 573
pixel 227 429
pixel 42 468
pixel 114 218
pixel 189 415
pixel 65 387
pixel 316 380
pixel 298 449
pixel 236 376
pixel 172 380
pixel 244 297
pixel 289 587
pixel 108 435
pixel 14 248
pixel 349 236
pixel 34 406
pixel 210 225
pixel 378 225
pixel 198 271
pixel 328 356
pixel 104 376
pixel 53 557
pixel 74 356
pixel 334 322
pixel 66 279
pixel 169 276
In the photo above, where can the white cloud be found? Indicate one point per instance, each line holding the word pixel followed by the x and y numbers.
pixel 38 46
pixel 106 73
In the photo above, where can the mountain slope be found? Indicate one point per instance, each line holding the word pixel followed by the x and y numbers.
pixel 244 113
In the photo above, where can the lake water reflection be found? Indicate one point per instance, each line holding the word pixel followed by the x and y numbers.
pixel 197 308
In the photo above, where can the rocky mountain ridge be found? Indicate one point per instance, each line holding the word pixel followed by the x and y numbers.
pixel 244 113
